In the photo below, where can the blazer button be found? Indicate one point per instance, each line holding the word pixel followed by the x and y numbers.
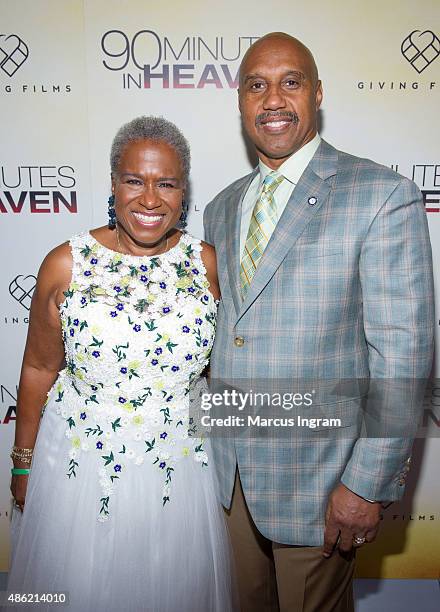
pixel 239 341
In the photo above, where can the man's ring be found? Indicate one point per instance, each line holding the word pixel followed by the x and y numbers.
pixel 358 540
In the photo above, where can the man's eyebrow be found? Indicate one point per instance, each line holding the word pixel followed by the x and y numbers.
pixel 297 73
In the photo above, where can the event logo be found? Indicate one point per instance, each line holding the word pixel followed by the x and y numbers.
pixel 22 288
pixel 9 401
pixel 37 189
pixel 13 53
pixel 420 49
pixel 148 58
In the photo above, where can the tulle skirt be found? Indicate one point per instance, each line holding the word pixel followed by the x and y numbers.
pixel 146 556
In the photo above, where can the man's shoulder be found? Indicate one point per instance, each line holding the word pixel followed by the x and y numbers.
pixel 359 169
pixel 236 186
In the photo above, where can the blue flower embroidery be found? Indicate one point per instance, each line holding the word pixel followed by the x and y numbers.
pixel 76 321
pixel 158 351
pixel 123 370
pixel 144 278
pixel 117 468
pixel 117 289
pixel 163 435
pixel 154 362
pixel 113 313
pixel 83 416
pixel 198 321
pixel 94 261
pixel 120 306
pixel 137 328
pixel 175 368
pixel 99 445
pixel 122 400
pixel 72 332
pixel 162 464
pixel 163 285
pixel 96 353
pixel 185 329
pixel 188 357
pixel 87 273
pixel 143 268
pixel 166 310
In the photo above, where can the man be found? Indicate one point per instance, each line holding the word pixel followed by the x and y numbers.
pixel 325 273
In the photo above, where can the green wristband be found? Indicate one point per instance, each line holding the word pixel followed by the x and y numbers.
pixel 20 471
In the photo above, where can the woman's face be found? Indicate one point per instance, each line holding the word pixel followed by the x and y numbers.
pixel 148 190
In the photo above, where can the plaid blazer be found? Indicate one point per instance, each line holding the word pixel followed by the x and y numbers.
pixel 344 290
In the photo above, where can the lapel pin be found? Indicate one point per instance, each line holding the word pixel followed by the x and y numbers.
pixel 312 201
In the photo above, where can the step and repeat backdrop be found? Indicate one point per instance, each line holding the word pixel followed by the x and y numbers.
pixel 72 72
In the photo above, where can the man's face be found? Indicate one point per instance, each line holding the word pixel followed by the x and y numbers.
pixel 279 97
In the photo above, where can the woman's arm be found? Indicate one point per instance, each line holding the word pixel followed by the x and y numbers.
pixel 210 262
pixel 43 355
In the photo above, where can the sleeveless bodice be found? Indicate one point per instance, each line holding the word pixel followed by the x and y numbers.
pixel 137 332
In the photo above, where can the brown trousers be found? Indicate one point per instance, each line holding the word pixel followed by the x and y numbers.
pixel 275 577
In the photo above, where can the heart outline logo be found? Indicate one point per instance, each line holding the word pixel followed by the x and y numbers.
pixel 13 53
pixel 21 288
pixel 420 56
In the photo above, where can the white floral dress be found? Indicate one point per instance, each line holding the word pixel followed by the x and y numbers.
pixel 121 501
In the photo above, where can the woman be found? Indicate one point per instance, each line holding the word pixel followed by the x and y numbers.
pixel 120 508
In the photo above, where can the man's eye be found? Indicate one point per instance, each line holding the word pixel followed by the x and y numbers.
pixel 292 83
pixel 133 181
pixel 257 86
pixel 166 185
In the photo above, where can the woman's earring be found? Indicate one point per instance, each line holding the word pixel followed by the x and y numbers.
pixel 111 212
pixel 184 215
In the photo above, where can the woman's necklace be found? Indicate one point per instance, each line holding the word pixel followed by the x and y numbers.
pixel 124 253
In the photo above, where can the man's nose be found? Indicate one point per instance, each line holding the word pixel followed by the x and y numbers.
pixel 274 98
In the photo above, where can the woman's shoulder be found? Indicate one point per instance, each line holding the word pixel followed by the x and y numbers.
pixel 58 263
pixel 56 269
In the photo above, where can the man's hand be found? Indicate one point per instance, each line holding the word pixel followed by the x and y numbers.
pixel 349 516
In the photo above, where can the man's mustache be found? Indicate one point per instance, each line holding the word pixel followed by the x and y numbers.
pixel 278 115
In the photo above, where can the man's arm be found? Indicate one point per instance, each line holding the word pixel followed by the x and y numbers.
pixel 207 214
pixel 398 311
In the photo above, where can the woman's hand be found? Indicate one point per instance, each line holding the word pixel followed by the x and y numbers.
pixel 18 489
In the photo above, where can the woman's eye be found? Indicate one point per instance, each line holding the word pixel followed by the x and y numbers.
pixel 133 181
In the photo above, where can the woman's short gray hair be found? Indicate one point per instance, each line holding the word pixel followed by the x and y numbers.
pixel 151 128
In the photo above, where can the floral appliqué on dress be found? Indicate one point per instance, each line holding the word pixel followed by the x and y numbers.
pixel 138 331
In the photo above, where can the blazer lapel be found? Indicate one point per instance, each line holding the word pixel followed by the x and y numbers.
pixel 307 198
pixel 233 224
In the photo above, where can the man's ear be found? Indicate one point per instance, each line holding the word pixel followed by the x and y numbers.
pixel 319 95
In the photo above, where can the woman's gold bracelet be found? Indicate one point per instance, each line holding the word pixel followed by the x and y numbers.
pixel 22 454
